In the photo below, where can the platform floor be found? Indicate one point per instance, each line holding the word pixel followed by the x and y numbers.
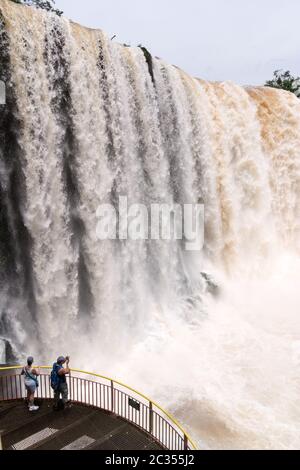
pixel 77 428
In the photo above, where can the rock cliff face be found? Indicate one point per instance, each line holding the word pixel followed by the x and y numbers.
pixel 7 354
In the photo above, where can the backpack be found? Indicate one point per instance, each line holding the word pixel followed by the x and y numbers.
pixel 54 377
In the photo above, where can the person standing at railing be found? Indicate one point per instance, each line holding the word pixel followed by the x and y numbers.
pixel 59 381
pixel 31 383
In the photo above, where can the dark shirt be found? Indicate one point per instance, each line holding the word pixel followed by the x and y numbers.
pixel 62 378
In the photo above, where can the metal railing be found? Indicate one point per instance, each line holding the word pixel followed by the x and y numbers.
pixel 106 394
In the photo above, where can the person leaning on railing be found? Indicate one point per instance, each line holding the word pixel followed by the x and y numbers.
pixel 31 383
pixel 59 373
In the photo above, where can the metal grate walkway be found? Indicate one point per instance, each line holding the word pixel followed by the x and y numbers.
pixel 77 428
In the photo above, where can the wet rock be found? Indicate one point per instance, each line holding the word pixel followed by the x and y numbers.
pixel 7 353
pixel 210 284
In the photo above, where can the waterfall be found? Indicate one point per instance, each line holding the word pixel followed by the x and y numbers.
pixel 88 121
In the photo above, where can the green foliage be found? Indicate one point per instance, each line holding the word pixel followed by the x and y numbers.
pixel 47 5
pixel 285 81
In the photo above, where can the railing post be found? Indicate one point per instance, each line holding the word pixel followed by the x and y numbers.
pixel 70 387
pixel 112 396
pixel 186 442
pixel 150 417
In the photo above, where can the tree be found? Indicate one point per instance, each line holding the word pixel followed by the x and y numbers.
pixel 43 4
pixel 285 81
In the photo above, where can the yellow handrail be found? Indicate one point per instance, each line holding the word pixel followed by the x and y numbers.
pixel 122 385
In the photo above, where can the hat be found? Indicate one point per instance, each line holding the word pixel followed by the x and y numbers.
pixel 61 359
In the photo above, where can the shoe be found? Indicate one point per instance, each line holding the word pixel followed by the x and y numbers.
pixel 33 408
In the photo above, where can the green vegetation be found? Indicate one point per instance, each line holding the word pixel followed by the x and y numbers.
pixel 43 4
pixel 285 81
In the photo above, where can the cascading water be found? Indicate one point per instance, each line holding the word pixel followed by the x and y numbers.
pixel 86 121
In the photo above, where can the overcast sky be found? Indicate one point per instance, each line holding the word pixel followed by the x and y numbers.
pixel 239 40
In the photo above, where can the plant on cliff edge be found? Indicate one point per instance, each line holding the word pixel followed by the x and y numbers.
pixel 285 81
pixel 43 4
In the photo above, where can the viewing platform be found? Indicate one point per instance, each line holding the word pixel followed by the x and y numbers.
pixel 76 428
pixel 105 415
